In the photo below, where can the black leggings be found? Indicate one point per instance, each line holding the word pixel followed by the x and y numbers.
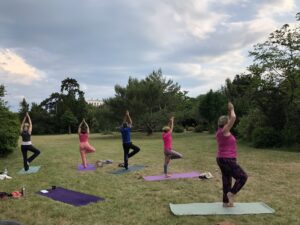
pixel 127 155
pixel 25 149
pixel 230 169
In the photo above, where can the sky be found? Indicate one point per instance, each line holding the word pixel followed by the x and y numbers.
pixel 197 43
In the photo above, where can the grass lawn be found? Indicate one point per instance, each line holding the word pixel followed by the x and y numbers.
pixel 273 179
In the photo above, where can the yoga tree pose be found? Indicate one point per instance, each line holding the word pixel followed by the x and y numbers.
pixel 26 130
pixel 168 146
pixel 227 158
pixel 127 144
pixel 85 147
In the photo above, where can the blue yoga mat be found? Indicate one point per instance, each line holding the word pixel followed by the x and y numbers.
pixel 32 169
pixel 218 209
pixel 130 169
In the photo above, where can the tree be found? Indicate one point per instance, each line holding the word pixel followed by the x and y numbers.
pixel 9 129
pixel 67 103
pixel 24 108
pixel 2 93
pixel 211 107
pixel 150 101
pixel 68 120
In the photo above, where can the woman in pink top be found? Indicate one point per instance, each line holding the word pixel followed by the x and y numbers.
pixel 85 147
pixel 226 158
pixel 168 147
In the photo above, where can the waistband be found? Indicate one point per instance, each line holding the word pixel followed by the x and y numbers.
pixel 26 143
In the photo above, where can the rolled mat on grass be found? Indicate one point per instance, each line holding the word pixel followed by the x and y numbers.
pixel 9 222
pixel 130 169
pixel 70 197
pixel 32 169
pixel 173 176
pixel 88 168
pixel 218 209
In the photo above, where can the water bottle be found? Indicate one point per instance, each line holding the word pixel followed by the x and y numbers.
pixel 5 171
pixel 23 191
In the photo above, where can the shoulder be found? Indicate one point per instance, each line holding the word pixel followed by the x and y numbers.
pixel 166 134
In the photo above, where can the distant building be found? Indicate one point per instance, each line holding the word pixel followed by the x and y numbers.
pixel 95 102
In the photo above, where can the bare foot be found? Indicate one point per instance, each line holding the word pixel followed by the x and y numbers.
pixel 230 198
pixel 167 176
pixel 227 205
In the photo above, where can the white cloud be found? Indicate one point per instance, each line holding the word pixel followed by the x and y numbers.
pixel 273 7
pixel 211 72
pixel 170 22
pixel 97 91
pixel 14 69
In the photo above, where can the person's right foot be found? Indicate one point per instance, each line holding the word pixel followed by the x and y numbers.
pixel 230 198
pixel 227 205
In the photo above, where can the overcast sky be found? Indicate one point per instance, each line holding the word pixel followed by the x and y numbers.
pixel 197 43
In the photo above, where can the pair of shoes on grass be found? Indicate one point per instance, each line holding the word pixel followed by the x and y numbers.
pixel 206 175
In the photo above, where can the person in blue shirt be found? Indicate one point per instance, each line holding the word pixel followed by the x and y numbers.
pixel 127 144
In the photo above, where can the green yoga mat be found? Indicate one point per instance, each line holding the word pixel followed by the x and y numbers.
pixel 32 169
pixel 218 209
pixel 130 169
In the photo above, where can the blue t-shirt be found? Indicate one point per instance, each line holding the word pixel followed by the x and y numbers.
pixel 125 134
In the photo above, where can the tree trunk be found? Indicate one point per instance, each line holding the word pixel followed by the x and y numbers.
pixel 69 129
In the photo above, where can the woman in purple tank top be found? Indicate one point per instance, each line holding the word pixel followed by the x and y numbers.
pixel 226 158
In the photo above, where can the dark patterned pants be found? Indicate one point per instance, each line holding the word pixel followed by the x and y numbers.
pixel 230 169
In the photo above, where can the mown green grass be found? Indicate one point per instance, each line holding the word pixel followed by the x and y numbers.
pixel 273 179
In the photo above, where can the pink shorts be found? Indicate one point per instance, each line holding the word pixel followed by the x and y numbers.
pixel 86 147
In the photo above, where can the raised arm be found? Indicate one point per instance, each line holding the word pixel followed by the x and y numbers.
pixel 22 125
pixel 128 118
pixel 87 126
pixel 79 127
pixel 231 119
pixel 171 124
pixel 30 123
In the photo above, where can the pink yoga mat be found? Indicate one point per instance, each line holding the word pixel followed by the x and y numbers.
pixel 173 176
pixel 89 167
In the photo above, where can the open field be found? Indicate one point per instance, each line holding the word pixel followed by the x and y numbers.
pixel 273 179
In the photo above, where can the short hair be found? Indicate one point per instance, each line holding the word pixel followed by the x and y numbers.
pixel 166 128
pixel 222 121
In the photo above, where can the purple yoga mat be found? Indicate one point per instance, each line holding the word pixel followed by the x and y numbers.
pixel 70 197
pixel 172 176
pixel 89 167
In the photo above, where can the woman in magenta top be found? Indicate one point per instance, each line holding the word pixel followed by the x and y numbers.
pixel 168 145
pixel 85 147
pixel 226 158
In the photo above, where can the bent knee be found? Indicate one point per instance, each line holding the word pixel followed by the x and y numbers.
pixel 244 178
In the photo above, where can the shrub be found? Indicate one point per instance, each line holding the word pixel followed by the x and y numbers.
pixel 248 123
pixel 264 137
pixel 289 135
pixel 190 129
pixel 178 129
pixel 9 131
pixel 200 128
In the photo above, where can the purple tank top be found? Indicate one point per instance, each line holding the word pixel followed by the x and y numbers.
pixel 226 145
